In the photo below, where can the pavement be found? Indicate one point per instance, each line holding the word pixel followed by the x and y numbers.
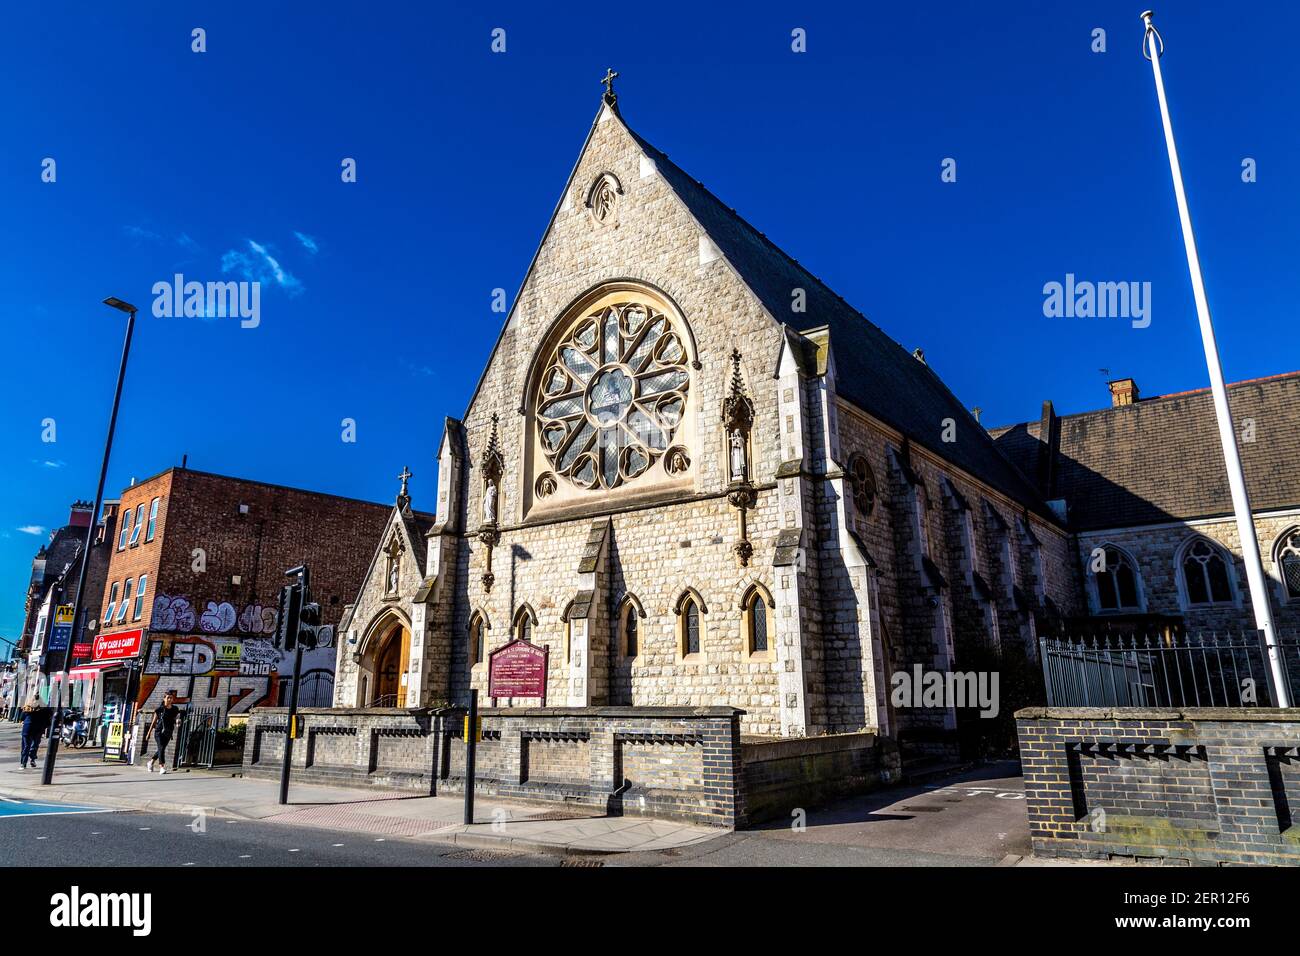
pixel 82 778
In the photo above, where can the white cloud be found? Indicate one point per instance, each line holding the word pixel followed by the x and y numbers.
pixel 31 529
pixel 259 266
pixel 138 232
pixel 308 243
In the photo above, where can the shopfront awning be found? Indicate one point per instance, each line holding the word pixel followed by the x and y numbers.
pixel 85 671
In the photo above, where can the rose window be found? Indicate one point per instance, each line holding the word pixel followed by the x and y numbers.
pixel 612 396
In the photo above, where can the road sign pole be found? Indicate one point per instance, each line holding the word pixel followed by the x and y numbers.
pixel 304 582
pixel 52 751
pixel 471 746
pixel 289 728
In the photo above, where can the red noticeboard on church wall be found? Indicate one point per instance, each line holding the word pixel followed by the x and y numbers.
pixel 518 670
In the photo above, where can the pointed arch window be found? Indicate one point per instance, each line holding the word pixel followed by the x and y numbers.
pixel 756 621
pixel 691 628
pixel 1207 575
pixel 631 633
pixel 525 621
pixel 1288 562
pixel 690 610
pixel 757 625
pixel 629 617
pixel 477 639
pixel 1117 583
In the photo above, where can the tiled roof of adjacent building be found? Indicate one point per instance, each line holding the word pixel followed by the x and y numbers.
pixel 1159 459
pixel 874 372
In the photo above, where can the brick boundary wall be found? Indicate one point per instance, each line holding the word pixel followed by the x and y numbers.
pixel 678 763
pixel 571 756
pixel 1191 786
pixel 804 772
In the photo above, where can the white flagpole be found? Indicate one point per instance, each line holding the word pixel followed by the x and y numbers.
pixel 1153 48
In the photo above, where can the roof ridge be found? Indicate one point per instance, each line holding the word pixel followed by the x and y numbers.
pixel 1151 400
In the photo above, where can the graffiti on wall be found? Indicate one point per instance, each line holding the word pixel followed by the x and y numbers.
pixel 175 614
pixel 235 674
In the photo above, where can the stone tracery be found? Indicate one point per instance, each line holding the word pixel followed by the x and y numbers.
pixel 612 397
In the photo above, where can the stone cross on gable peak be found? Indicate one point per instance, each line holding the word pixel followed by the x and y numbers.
pixel 610 96
pixel 403 497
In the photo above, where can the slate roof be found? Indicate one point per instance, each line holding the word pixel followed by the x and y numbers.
pixel 417 525
pixel 1160 460
pixel 873 371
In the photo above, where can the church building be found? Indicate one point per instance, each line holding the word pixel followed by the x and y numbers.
pixel 699 478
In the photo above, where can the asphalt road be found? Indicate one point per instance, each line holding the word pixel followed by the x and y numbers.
pixel 973 819
pixel 61 835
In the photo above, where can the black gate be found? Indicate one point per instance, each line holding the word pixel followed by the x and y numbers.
pixel 316 689
pixel 196 738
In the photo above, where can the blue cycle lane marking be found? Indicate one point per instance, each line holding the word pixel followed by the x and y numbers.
pixel 10 807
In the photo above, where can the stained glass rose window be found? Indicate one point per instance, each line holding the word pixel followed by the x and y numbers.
pixel 612 395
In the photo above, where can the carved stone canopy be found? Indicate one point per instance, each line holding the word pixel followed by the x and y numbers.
pixel 492 462
pixel 737 408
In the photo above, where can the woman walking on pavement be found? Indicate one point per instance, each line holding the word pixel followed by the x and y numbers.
pixel 162 724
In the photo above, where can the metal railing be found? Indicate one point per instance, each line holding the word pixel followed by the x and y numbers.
pixel 196 737
pixel 1208 670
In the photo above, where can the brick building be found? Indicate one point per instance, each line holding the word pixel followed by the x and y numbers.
pixel 1144 483
pixel 56 569
pixel 701 478
pixel 191 591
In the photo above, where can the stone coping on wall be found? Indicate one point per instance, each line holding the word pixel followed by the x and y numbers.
pixel 759 749
pixel 651 713
pixel 1248 714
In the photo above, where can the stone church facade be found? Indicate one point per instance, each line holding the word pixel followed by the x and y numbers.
pixel 699 478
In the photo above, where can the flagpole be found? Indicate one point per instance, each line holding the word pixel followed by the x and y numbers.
pixel 1153 47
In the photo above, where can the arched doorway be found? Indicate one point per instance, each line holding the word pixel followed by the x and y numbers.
pixel 387 659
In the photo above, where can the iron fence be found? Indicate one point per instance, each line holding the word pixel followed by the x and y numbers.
pixel 1215 670
pixel 196 737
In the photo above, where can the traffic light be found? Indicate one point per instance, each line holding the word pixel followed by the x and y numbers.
pixel 286 624
pixel 309 625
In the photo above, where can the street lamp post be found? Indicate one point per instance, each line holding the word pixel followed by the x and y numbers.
pixel 1153 47
pixel 51 752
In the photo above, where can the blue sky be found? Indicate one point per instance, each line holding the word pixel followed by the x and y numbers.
pixel 378 305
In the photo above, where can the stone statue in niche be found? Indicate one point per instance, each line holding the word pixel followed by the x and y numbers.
pixel 393 565
pixel 737 456
pixel 490 502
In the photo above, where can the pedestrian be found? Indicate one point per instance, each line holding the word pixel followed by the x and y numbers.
pixel 162 724
pixel 36 721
